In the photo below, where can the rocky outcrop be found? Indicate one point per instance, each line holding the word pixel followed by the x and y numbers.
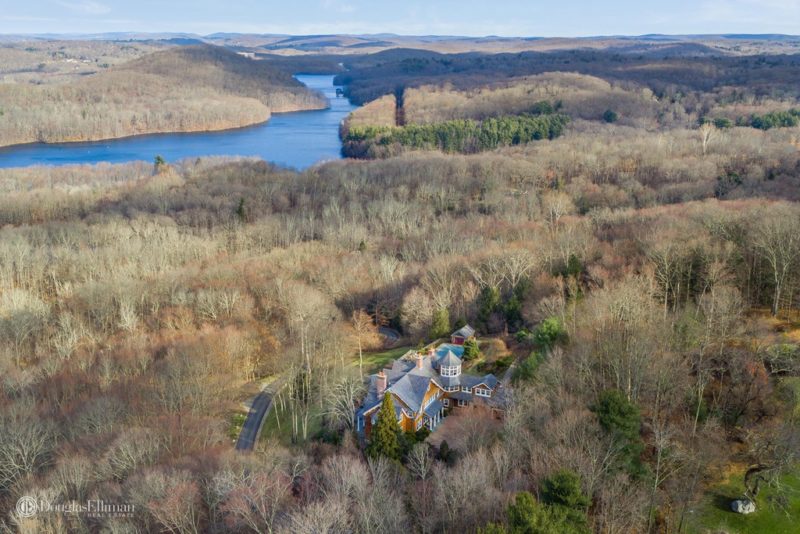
pixel 743 506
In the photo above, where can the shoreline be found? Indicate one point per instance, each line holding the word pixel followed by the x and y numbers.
pixel 161 132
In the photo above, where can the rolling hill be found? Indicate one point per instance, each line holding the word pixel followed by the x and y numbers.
pixel 182 89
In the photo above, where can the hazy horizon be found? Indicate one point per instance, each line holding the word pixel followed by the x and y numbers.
pixel 390 34
pixel 516 18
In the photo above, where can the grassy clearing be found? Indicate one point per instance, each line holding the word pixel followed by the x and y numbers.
pixel 373 361
pixel 714 515
pixel 792 385
pixel 495 358
pixel 278 426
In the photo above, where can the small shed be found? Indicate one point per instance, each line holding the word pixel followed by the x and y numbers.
pixel 460 336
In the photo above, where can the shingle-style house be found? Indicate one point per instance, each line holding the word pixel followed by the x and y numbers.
pixel 424 386
pixel 462 335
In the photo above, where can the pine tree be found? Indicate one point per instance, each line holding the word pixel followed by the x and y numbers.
pixel 241 210
pixel 384 437
pixel 440 324
pixel 471 349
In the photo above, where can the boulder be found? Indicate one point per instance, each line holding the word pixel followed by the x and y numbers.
pixel 743 506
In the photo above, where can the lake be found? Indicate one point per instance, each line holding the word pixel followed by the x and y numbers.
pixel 299 139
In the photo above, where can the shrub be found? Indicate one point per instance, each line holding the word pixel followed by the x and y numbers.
pixel 610 116
pixel 549 332
pixel 527 369
pixel 471 349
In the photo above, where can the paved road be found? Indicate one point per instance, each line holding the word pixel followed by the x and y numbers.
pixel 259 410
pixel 391 335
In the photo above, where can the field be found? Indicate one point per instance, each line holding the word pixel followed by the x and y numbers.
pixel 374 361
pixel 713 513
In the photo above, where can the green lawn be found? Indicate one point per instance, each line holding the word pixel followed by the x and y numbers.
pixel 713 513
pixel 792 384
pixel 283 433
pixel 373 361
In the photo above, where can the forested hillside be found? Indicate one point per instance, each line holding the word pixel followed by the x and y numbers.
pixel 645 285
pixel 418 114
pixel 183 89
pixel 679 76
pixel 620 227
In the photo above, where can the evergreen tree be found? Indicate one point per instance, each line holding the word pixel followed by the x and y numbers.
pixel 564 488
pixel 384 439
pixel 488 303
pixel 549 332
pixel 610 116
pixel 159 163
pixel 471 349
pixel 440 324
pixel 241 211
pixel 620 418
pixel 526 516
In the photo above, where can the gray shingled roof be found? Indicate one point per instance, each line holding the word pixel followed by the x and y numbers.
pixel 410 383
pixel 465 331
pixel 411 389
pixel 449 381
pixel 434 408
pixel 450 360
pixel 461 395
pixel 444 348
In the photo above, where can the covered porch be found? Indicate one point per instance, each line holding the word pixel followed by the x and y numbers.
pixel 433 414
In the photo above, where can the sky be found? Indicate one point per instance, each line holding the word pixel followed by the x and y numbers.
pixel 528 18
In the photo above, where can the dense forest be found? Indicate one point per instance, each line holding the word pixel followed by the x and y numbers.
pixel 622 231
pixel 462 136
pixel 673 75
pixel 180 89
pixel 132 296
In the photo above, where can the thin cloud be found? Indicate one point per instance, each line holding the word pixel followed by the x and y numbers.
pixel 87 7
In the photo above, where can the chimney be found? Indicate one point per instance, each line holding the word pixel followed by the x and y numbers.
pixel 381 383
pixel 419 359
pixel 431 352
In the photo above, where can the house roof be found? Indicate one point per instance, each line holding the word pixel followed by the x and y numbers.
pixel 409 383
pixel 411 389
pixel 465 331
pixel 449 381
pixel 434 408
pixel 442 350
pixel 450 360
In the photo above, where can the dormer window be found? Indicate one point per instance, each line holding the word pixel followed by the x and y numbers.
pixel 454 370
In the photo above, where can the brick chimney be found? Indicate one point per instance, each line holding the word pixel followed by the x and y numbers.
pixel 419 359
pixel 381 383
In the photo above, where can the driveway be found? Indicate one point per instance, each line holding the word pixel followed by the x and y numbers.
pixel 391 335
pixel 259 410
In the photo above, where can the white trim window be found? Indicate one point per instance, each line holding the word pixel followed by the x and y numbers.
pixel 465 389
pixel 452 388
pixel 446 402
pixel 454 370
pixel 482 392
pixel 462 402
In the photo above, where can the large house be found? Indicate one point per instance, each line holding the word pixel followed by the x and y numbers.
pixel 425 385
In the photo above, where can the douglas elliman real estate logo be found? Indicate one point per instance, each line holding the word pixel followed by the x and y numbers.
pixel 28 507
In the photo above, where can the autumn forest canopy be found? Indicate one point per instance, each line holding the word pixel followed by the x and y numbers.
pixel 619 223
